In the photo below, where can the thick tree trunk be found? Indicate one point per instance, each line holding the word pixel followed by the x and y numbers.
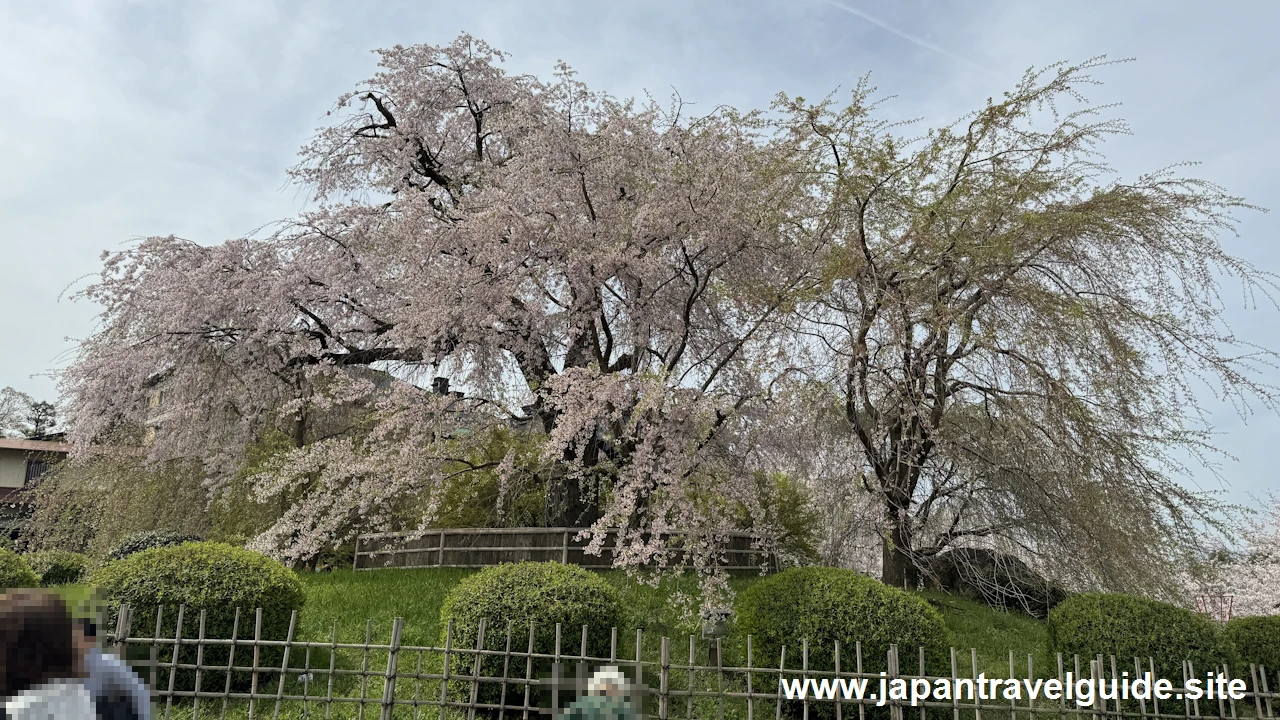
pixel 571 502
pixel 899 569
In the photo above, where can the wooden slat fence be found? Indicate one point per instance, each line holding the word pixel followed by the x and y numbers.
pixel 483 547
pixel 465 677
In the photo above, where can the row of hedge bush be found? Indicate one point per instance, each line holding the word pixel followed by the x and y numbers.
pixel 50 568
pixel 828 605
pixel 1161 634
pixel 819 605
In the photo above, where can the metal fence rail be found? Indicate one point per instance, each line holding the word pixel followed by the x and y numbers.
pixel 518 681
pixel 484 547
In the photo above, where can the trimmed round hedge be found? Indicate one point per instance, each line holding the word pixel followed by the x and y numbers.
pixel 829 605
pixel 213 577
pixel 16 572
pixel 1256 640
pixel 1127 627
pixel 59 567
pixel 541 593
pixel 138 542
pixel 544 593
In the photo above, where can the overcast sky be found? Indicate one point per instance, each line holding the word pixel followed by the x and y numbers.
pixel 127 119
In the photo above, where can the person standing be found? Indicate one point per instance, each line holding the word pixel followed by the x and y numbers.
pixel 606 698
pixel 40 666
pixel 117 691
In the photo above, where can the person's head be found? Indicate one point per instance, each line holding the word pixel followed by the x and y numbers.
pixel 86 634
pixel 37 642
pixel 608 681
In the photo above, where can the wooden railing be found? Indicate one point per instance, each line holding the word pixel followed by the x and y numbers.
pixel 484 547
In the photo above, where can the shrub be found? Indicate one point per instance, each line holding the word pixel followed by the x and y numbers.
pixel 543 593
pixel 138 542
pixel 1127 627
pixel 1256 640
pixel 16 572
pixel 205 576
pixel 829 605
pixel 58 567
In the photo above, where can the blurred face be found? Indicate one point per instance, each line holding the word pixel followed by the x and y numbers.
pixel 84 641
pixel 608 690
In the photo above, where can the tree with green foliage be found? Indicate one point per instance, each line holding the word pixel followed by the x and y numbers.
pixel 23 416
pixel 89 504
pixel 1014 334
pixel 1011 335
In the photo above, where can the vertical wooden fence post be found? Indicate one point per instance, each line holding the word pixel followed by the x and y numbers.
pixel 231 659
pixel 1262 673
pixel 639 660
pixel 977 705
pixel 444 680
pixel 306 684
pixel 528 673
pixel 173 663
pixel 782 668
pixel 257 647
pixel 688 707
pixel 1257 690
pixel 475 672
pixel 839 709
pixel 195 706
pixel 1013 704
pixel 364 668
pixel 923 674
pixel 857 653
pixel 155 650
pixel 720 677
pixel 123 624
pixel 393 665
pixel 333 663
pixel 284 665
pixel 955 696
pixel 506 668
pixel 895 708
pixel 665 674
pixel 804 670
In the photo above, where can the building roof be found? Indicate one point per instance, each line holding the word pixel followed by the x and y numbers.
pixel 34 445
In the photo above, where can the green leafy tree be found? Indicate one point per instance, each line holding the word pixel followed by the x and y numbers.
pixel 1015 335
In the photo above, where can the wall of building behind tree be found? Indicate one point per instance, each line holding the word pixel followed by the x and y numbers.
pixel 13 468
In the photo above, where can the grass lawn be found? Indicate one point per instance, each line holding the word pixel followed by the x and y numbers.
pixel 371 600
pixel 993 635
